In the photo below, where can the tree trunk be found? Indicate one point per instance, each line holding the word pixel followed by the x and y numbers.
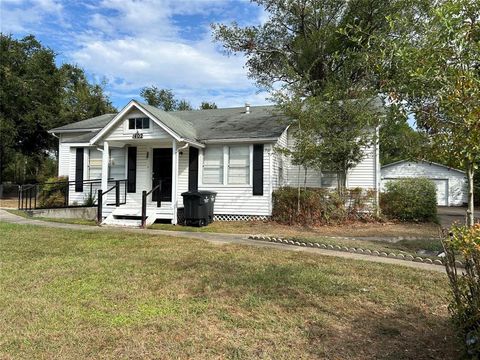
pixel 305 180
pixel 470 209
pixel 341 182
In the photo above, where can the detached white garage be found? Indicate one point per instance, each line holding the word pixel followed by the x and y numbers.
pixel 451 183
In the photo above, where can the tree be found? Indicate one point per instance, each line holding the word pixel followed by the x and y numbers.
pixel 161 98
pixel 80 99
pixel 305 46
pixel 36 96
pixel 332 135
pixel 164 99
pixel 29 98
pixel 183 105
pixel 435 72
pixel 399 141
pixel 205 105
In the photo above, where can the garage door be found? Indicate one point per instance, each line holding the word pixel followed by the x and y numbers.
pixel 442 191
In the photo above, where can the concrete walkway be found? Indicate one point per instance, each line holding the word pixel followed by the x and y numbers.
pixel 220 239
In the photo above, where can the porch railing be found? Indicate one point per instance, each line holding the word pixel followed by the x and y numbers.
pixel 144 200
pixel 57 194
pixel 120 187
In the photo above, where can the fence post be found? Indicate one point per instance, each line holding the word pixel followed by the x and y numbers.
pixel 144 208
pixel 35 198
pixel 19 193
pixel 117 193
pixel 99 207
pixel 67 193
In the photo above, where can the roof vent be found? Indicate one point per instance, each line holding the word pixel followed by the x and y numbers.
pixel 247 108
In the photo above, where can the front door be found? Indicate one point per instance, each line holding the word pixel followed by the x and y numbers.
pixel 162 171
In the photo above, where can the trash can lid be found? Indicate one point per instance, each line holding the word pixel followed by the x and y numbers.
pixel 199 193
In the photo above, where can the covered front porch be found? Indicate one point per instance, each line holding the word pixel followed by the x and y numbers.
pixel 153 171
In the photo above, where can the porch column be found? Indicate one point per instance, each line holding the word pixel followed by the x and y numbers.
pixel 105 159
pixel 174 180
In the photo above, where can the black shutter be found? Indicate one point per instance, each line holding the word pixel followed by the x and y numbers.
pixel 79 163
pixel 193 169
pixel 132 170
pixel 258 169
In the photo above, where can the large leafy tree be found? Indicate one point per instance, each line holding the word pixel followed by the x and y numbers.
pixel 35 96
pixel 305 49
pixel 30 98
pixel 434 70
pixel 81 100
pixel 399 141
pixel 164 99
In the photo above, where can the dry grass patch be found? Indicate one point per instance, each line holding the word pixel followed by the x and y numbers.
pixel 425 230
pixel 9 203
pixel 85 294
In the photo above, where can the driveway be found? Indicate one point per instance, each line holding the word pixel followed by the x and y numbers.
pixel 449 215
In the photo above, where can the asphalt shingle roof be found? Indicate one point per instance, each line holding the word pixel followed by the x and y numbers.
pixel 96 122
pixel 230 123
pixel 234 123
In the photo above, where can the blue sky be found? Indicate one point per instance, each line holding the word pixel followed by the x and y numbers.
pixel 137 43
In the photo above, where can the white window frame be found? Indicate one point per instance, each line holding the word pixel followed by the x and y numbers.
pixel 226 152
pixel 222 166
pixel 249 166
pixel 127 130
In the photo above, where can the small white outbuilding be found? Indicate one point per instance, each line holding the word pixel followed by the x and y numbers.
pixel 451 183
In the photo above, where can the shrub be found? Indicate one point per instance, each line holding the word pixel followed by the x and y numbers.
pixel 53 192
pixel 464 242
pixel 410 200
pixel 320 206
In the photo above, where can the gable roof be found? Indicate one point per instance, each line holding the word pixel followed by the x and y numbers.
pixel 233 123
pixel 95 123
pixel 263 122
pixel 424 162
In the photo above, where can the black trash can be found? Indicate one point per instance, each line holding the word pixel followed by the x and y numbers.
pixel 198 207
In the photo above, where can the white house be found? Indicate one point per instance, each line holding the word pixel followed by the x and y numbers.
pixel 451 183
pixel 229 151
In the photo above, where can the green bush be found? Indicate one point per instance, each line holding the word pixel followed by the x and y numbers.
pixel 410 200
pixel 320 206
pixel 53 192
pixel 464 243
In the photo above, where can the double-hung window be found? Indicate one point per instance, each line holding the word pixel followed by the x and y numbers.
pixel 238 165
pixel 138 123
pixel 233 161
pixel 213 165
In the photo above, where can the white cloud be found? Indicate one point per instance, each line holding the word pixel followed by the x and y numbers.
pixel 164 63
pixel 21 16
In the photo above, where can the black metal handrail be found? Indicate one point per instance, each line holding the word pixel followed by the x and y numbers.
pixel 33 196
pixel 117 203
pixel 144 200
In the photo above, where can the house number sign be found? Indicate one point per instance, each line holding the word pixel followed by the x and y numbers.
pixel 137 135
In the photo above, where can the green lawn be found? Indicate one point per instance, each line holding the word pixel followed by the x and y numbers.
pixel 320 235
pixel 117 294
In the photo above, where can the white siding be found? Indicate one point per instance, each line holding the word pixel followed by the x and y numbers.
pixel 456 180
pixel 63 158
pixel 182 175
pixel 363 175
pixel 121 132
pixel 278 162
pixel 239 199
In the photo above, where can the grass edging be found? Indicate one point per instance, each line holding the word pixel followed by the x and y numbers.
pixel 357 250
